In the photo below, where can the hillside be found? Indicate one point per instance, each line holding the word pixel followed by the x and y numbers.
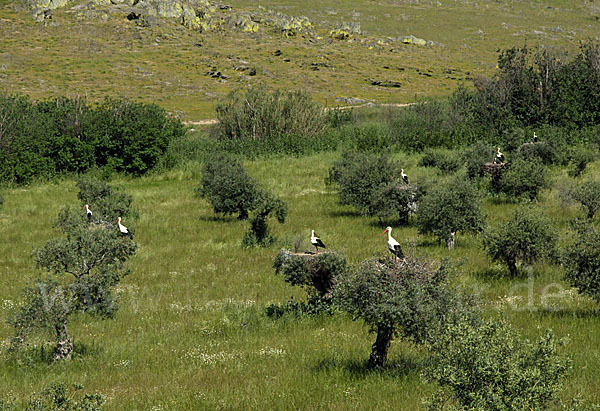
pixel 93 49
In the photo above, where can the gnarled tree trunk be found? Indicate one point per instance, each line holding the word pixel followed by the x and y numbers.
pixel 64 345
pixel 450 240
pixel 379 350
pixel 512 267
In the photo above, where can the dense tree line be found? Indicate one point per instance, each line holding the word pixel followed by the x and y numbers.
pixel 64 135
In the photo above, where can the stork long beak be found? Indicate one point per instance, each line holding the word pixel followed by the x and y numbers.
pixel 386 230
pixel 116 220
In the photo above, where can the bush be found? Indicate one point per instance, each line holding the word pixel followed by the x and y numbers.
pixel 259 233
pixel 527 237
pixel 228 187
pixel 522 178
pixel 260 115
pixel 316 273
pixel 450 208
pixel 485 365
pixel 579 157
pixel 360 176
pixel 476 157
pixel 588 194
pixel 51 137
pixel 395 200
pixel 582 261
pixel 106 202
pixel 446 161
pixel 57 396
pixel 408 298
pixel 371 137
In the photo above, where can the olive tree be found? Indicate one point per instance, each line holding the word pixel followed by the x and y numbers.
pixel 582 261
pixel 360 176
pixel 588 194
pixel 408 298
pixel 522 178
pixel 228 187
pixel 449 208
pixel 82 266
pixel 395 200
pixel 266 205
pixel 106 202
pixel 486 365
pixel 527 237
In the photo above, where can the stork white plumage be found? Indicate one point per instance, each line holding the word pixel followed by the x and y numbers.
pixel 499 156
pixel 124 230
pixel 535 137
pixel 393 245
pixel 404 176
pixel 88 212
pixel 316 242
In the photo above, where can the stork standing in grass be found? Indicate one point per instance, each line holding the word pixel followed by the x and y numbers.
pixel 499 156
pixel 88 212
pixel 124 230
pixel 404 176
pixel 316 241
pixel 535 137
pixel 393 245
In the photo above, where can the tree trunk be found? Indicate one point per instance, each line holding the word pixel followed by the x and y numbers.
pixel 591 213
pixel 64 345
pixel 379 350
pixel 450 240
pixel 512 267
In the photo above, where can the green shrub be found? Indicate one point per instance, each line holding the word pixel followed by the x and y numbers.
pixel 522 178
pixel 316 273
pixel 259 233
pixel 57 396
pixel 449 208
pixel 228 187
pixel 446 161
pixel 476 157
pixel 588 194
pixel 486 365
pixel 259 115
pixel 579 157
pixel 582 261
pixel 370 137
pixel 106 202
pixel 408 298
pixel 359 177
pixel 528 237
pixel 395 201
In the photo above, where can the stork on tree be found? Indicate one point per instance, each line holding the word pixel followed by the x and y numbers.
pixel 316 242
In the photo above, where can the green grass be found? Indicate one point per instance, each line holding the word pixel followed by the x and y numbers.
pixel 191 332
pixel 115 58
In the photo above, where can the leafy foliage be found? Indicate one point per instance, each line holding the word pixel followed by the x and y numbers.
pixel 57 396
pixel 316 273
pixel 446 161
pixel 228 187
pixel 449 208
pixel 259 233
pixel 395 200
pixel 579 158
pixel 486 365
pixel 408 298
pixel 527 237
pixel 69 135
pixel 259 115
pixel 476 157
pixel 582 261
pixel 84 264
pixel 588 194
pixel 360 176
pixel 107 202
pixel 522 178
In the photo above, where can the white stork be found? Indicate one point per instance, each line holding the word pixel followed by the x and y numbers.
pixel 535 137
pixel 88 212
pixel 499 156
pixel 124 230
pixel 393 245
pixel 404 176
pixel 316 241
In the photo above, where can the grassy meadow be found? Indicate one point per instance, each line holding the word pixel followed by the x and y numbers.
pixel 191 330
